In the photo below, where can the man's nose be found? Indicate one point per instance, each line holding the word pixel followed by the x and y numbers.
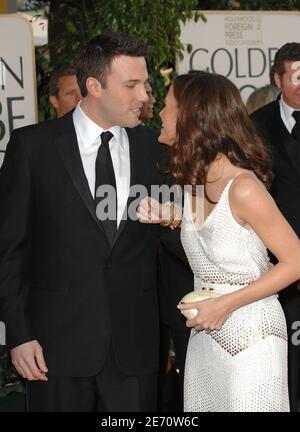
pixel 143 96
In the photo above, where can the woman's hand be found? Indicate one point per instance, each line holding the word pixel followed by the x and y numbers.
pixel 212 313
pixel 151 211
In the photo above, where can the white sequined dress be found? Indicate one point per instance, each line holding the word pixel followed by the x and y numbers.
pixel 243 366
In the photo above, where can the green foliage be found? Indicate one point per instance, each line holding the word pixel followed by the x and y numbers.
pixel 9 380
pixel 155 21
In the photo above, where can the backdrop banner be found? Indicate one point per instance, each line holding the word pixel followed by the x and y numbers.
pixel 239 45
pixel 18 105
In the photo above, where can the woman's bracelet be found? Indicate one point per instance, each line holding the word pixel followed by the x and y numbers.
pixel 173 223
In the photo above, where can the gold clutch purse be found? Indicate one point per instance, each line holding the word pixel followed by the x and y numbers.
pixel 195 296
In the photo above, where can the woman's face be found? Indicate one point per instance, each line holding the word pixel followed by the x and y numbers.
pixel 169 118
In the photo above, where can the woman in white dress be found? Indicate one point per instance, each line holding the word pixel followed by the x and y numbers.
pixel 237 353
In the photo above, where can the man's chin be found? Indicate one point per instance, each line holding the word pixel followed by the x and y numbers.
pixel 132 124
pixel 160 139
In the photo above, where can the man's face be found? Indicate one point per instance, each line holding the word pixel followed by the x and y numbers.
pixel 122 97
pixel 147 108
pixel 289 84
pixel 68 95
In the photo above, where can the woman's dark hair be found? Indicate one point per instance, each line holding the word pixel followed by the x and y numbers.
pixel 212 120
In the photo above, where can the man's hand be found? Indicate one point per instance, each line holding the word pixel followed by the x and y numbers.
pixel 29 361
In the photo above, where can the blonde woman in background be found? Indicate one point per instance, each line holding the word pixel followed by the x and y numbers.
pixel 260 97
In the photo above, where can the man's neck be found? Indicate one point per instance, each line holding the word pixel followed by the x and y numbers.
pixel 92 113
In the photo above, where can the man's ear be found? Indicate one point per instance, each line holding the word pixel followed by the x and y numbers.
pixel 277 80
pixel 93 86
pixel 54 101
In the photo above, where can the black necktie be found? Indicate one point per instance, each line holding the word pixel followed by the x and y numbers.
pixel 105 175
pixel 296 128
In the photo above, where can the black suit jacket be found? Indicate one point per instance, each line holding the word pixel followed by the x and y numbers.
pixel 60 281
pixel 286 161
pixel 286 192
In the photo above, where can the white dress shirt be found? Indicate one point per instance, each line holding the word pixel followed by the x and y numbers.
pixel 88 137
pixel 286 113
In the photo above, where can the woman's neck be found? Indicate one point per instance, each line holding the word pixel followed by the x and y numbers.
pixel 218 169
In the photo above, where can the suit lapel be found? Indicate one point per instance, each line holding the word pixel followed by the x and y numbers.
pixel 285 145
pixel 286 142
pixel 279 131
pixel 67 146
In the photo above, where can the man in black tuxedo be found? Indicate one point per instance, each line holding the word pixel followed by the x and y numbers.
pixel 78 291
pixel 279 126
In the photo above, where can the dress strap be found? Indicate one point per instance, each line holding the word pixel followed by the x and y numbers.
pixel 232 179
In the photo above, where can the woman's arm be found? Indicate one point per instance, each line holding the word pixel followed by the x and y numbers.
pixel 253 207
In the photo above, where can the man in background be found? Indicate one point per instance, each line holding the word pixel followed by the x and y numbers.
pixel 64 91
pixel 279 125
pixel 147 107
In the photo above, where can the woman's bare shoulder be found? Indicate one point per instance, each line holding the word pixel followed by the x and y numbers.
pixel 245 185
pixel 249 197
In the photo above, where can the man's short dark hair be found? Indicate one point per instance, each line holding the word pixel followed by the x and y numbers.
pixel 288 52
pixel 56 74
pixel 96 56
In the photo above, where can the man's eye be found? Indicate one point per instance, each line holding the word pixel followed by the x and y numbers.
pixel 130 85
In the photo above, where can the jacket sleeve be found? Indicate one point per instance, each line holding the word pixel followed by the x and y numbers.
pixel 171 241
pixel 15 206
pixel 169 238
